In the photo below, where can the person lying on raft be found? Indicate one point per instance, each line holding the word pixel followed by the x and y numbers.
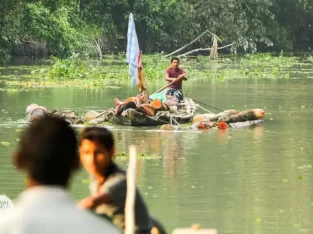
pixel 139 99
pixel 131 102
pixel 146 109
pixel 137 104
pixel 108 186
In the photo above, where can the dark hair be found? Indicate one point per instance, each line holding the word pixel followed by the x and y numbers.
pixel 175 58
pixel 130 105
pixel 48 151
pixel 100 135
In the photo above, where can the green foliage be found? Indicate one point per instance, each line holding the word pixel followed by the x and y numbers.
pixel 69 68
pixel 112 71
pixel 59 28
pixel 54 27
pixel 93 27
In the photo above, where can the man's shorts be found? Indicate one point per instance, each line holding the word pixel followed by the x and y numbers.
pixel 178 93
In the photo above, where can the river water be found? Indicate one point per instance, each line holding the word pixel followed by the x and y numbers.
pixel 252 180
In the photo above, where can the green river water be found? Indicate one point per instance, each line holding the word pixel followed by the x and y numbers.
pixel 252 180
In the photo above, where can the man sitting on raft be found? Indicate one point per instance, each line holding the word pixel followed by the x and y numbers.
pixel 175 76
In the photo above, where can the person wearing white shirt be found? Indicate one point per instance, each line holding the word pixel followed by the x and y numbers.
pixel 47 153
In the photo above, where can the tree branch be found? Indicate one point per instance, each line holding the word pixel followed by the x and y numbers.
pixel 204 49
pixel 206 31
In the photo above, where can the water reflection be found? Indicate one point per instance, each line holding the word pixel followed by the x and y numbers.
pixel 171 152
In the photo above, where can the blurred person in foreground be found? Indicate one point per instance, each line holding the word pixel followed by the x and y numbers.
pixel 47 153
pixel 108 185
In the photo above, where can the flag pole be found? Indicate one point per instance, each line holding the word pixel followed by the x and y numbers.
pixel 134 60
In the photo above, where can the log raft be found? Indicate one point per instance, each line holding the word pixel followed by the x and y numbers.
pixel 185 112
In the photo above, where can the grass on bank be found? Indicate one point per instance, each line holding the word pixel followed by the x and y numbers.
pixel 113 69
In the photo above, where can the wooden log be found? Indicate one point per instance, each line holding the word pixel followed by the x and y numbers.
pixel 91 115
pixel 246 115
pixel 230 112
pixel 157 104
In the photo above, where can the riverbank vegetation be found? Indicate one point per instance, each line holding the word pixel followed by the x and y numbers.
pixel 113 70
pixel 95 27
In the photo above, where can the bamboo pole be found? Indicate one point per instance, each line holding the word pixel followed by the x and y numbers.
pixel 204 49
pixel 131 192
pixel 161 89
pixel 213 51
pixel 195 229
pixel 192 231
pixel 202 34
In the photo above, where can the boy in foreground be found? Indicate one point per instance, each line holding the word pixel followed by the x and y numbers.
pixel 108 185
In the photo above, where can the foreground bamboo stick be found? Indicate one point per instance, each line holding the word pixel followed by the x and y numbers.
pixel 131 192
pixel 195 229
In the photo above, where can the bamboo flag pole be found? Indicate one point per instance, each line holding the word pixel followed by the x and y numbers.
pixel 131 192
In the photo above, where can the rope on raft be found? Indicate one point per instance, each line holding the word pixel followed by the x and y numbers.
pixel 174 120
pixel 204 109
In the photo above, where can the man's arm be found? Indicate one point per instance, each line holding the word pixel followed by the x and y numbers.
pixel 168 78
pixel 114 190
pixel 171 79
pixel 92 202
pixel 183 76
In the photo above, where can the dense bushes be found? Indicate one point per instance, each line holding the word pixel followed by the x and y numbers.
pixel 91 27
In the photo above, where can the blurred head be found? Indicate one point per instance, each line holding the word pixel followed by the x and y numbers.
pixel 130 105
pixel 48 152
pixel 96 150
pixel 141 98
pixel 175 62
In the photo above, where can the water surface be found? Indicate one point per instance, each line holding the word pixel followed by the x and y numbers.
pixel 255 180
